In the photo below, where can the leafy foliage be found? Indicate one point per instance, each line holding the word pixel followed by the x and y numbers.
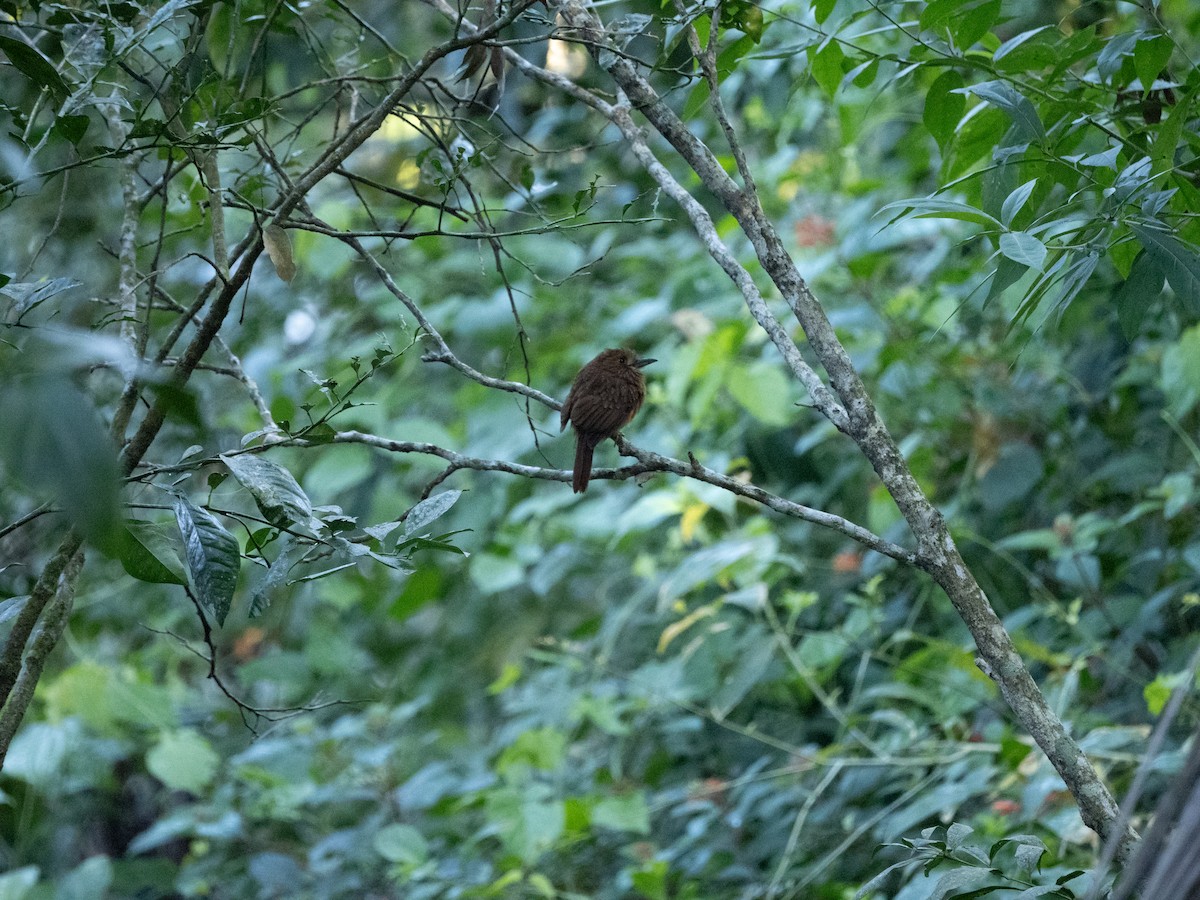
pixel 476 684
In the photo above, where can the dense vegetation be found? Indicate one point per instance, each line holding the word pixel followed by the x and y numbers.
pixel 339 627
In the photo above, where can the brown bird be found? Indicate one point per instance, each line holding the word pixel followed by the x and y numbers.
pixel 605 397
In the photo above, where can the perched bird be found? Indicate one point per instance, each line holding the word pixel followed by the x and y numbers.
pixel 605 397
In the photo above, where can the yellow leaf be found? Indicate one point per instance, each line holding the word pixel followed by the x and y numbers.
pixel 690 519
pixel 675 629
pixel 279 248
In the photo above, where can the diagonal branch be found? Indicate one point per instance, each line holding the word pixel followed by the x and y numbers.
pixel 937 552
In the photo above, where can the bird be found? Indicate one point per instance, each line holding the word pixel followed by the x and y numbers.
pixel 604 398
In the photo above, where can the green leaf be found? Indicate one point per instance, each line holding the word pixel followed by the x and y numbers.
pixel 33 65
pixel 1016 201
pixel 623 812
pixel 177 403
pixel 275 579
pixel 402 844
pixel 1017 471
pixel 14 885
pixel 277 494
pixel 1169 134
pixel 1180 376
pixel 938 12
pixel 763 391
pixel 146 554
pixel 429 510
pixel 212 558
pixel 321 433
pixel 90 880
pixel 651 879
pixel 696 99
pixel 944 105
pixel 1158 692
pixel 1016 41
pixel 62 447
pixel 1004 96
pixel 1150 58
pixel 1135 294
pixel 183 760
pixel 825 62
pixel 973 21
pixel 936 208
pixel 1023 248
pixel 71 128
pixel 1179 262
pixel 822 8
pixel 541 748
pixel 1006 275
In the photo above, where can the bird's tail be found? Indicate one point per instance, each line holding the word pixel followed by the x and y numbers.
pixel 583 463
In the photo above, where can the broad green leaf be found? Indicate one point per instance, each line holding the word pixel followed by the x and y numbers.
pixel 938 13
pixel 17 883
pixel 147 554
pixel 275 578
pixel 1158 692
pixel 71 128
pixel 429 510
pixel 825 63
pixel 1150 58
pixel 541 748
pixel 1023 248
pixel 1170 132
pixel 212 557
pixel 183 760
pixel 400 843
pixel 1181 373
pixel 1117 49
pixel 1178 261
pixel 623 812
pixel 763 391
pixel 944 105
pixel 697 99
pixel 822 8
pixel 1016 472
pixel 277 494
pixel 62 448
pixel 33 65
pixel 973 21
pixel 1004 96
pixel 90 880
pixel 863 75
pixel 1135 294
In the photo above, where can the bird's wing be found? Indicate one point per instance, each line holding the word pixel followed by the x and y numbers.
pixel 603 415
pixel 566 409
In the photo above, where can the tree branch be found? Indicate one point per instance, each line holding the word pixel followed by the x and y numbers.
pixel 937 552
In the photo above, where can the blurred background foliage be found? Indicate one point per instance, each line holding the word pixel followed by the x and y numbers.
pixel 654 690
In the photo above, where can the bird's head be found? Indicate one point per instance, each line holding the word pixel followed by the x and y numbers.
pixel 628 358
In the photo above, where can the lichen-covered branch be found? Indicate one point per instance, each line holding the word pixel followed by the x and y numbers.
pixel 937 552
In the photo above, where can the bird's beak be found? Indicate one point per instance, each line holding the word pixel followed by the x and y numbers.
pixel 638 363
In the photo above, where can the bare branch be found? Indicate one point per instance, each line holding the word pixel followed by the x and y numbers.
pixel 56 597
pixel 648 463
